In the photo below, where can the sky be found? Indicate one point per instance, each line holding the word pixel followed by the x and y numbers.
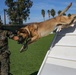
pixel 38 5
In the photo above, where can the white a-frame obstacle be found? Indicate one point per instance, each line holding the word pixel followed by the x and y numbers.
pixel 61 57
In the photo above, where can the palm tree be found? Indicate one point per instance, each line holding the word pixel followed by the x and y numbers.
pixel 49 13
pixel 60 12
pixel 64 14
pixel 69 14
pixel 43 13
pixel 52 12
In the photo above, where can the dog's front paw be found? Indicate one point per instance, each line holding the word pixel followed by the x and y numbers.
pixel 23 48
pixel 59 29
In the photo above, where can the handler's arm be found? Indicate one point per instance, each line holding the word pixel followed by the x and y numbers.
pixel 12 36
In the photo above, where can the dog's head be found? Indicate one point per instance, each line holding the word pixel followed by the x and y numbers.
pixel 22 34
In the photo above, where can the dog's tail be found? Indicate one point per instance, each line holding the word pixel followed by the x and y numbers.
pixel 65 9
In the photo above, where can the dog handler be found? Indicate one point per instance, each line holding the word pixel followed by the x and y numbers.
pixel 4 52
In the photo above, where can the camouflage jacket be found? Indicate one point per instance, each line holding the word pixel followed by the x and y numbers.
pixel 4 39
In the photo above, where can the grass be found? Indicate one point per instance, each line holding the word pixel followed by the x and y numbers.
pixel 28 62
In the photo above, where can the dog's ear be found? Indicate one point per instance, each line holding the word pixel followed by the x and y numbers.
pixel 22 31
pixel 18 31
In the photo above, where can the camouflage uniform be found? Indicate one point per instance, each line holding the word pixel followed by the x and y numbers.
pixel 4 53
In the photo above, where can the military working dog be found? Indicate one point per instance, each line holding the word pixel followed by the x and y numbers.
pixel 34 31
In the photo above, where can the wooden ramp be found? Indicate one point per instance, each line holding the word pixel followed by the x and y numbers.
pixel 61 57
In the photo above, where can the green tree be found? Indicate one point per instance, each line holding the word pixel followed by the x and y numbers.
pixel 52 12
pixel 43 13
pixel 49 13
pixel 18 10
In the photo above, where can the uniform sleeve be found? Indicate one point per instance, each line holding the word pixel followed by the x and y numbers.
pixel 10 34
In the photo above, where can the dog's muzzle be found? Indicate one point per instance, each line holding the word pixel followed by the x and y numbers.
pixel 21 40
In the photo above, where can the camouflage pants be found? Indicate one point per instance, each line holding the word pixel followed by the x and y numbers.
pixel 4 63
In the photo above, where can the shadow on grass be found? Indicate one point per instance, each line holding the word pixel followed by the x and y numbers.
pixel 35 73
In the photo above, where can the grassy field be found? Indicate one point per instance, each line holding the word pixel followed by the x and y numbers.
pixel 28 62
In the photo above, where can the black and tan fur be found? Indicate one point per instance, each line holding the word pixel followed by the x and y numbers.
pixel 34 31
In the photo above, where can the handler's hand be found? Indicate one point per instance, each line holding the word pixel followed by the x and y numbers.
pixel 16 38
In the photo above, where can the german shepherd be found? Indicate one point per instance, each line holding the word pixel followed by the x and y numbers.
pixel 34 31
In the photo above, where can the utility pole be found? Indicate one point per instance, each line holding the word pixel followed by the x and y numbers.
pixel 4 16
pixel 1 21
pixel 0 18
